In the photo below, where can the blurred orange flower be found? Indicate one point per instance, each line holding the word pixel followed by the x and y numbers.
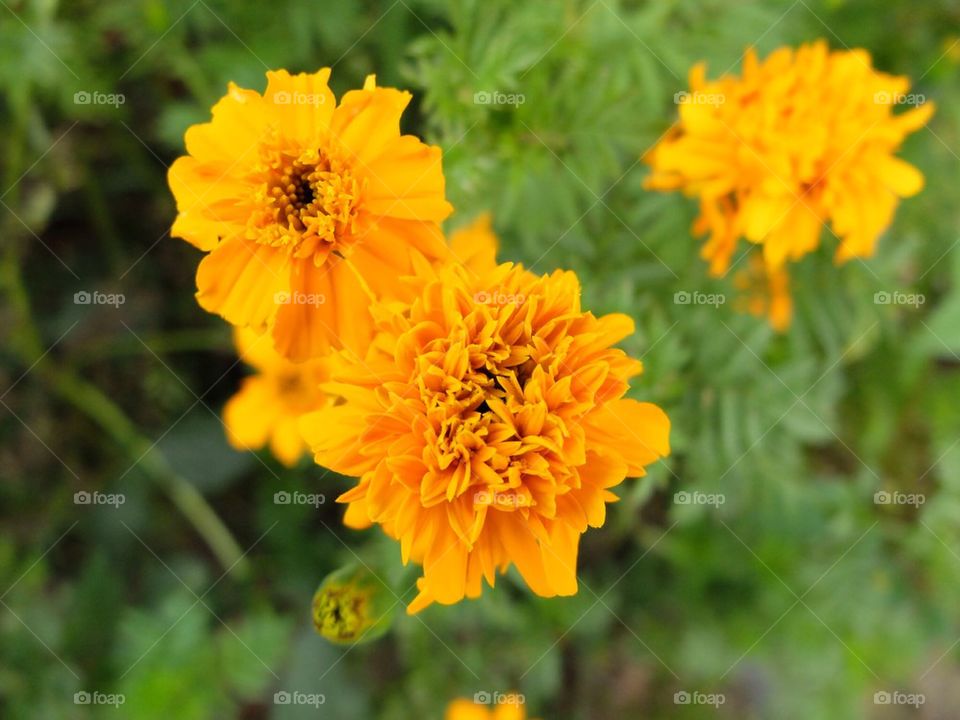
pixel 307 208
pixel 801 139
pixel 464 709
pixel 805 137
pixel 266 408
pixel 765 291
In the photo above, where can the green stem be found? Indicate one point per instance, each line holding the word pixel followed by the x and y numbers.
pixel 103 411
pixel 161 344
pixel 87 398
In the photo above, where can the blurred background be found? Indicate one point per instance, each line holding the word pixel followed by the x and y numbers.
pixel 179 584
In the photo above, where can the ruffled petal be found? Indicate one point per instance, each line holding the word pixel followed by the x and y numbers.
pixel 241 280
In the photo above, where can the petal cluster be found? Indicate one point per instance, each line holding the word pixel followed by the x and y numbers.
pixel 306 208
pixel 487 425
pixel 806 137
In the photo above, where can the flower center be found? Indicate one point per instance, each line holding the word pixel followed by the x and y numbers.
pixel 307 204
pixel 295 390
pixel 467 385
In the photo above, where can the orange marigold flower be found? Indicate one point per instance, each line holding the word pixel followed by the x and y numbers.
pixel 511 708
pixel 269 404
pixel 487 425
pixel 765 291
pixel 306 207
pixel 806 137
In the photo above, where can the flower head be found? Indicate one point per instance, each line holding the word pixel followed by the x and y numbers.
pixel 487 425
pixel 511 708
pixel 804 138
pixel 306 208
pixel 268 405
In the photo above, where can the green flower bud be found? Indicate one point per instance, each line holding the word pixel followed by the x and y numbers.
pixel 352 605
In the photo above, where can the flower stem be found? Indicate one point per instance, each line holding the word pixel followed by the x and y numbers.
pixel 91 401
pixel 103 411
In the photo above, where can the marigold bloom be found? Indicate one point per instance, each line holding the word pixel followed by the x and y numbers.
pixel 464 709
pixel 306 207
pixel 765 291
pixel 806 137
pixel 268 405
pixel 487 425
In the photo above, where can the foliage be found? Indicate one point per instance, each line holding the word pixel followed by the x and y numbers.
pixel 798 597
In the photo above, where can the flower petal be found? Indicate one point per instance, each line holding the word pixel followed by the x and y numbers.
pixel 239 280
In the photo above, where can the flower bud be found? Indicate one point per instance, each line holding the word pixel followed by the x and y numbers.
pixel 352 605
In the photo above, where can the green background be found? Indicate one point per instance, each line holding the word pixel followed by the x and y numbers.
pixel 799 597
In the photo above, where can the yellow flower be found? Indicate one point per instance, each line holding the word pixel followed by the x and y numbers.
pixel 806 137
pixel 269 404
pixel 306 207
pixel 487 425
pixel 464 709
pixel 765 291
